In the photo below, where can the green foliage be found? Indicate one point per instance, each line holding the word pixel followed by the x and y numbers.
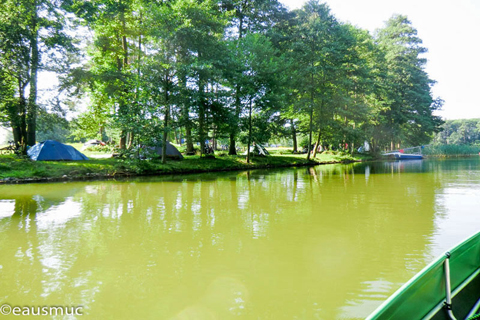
pixel 459 132
pixel 32 38
pixel 409 117
pixel 304 142
pixel 238 70
pixel 87 126
pixel 52 126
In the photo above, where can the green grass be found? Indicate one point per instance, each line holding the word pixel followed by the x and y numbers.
pixel 22 168
pixel 13 169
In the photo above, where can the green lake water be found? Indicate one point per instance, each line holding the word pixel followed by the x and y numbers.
pixel 329 242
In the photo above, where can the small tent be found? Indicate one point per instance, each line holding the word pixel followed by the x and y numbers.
pixel 54 151
pixel 172 152
pixel 258 150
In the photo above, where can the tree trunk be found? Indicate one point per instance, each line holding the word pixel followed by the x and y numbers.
pixel 232 149
pixel 214 138
pixel 165 124
pixel 310 129
pixel 201 108
pixel 31 118
pixel 139 59
pixel 131 136
pixel 17 135
pixel 249 130
pixel 185 108
pixel 317 144
pixel 123 140
pixel 18 116
pixel 188 138
pixel 15 114
pixel 294 136
pixel 201 116
pixel 122 108
pixel 178 136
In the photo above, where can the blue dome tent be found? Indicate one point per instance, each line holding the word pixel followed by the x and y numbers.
pixel 54 151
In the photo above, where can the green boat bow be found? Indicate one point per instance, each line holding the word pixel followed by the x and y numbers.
pixel 448 288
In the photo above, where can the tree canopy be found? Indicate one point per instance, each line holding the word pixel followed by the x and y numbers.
pixel 203 71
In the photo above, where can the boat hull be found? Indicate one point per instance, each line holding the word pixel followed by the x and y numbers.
pixel 403 156
pixel 424 295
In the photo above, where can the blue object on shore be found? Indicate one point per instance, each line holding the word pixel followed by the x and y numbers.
pixel 51 150
pixel 403 156
pixel 412 153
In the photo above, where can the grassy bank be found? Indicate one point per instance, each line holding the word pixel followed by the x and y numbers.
pixel 450 150
pixel 15 170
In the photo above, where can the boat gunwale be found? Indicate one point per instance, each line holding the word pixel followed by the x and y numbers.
pixel 432 265
pixel 457 290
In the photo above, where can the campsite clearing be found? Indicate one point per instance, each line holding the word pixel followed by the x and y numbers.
pixel 15 170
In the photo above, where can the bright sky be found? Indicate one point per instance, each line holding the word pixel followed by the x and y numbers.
pixel 450 30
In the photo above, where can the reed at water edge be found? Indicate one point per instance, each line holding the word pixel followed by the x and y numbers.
pixel 447 150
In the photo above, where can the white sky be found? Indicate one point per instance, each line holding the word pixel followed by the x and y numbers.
pixel 450 30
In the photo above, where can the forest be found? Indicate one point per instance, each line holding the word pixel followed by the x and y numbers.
pixel 212 72
pixel 459 132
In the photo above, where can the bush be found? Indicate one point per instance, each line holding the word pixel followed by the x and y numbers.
pixel 304 142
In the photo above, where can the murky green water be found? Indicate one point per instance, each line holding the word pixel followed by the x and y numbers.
pixel 330 242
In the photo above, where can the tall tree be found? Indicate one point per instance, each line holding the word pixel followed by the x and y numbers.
pixel 410 115
pixel 112 72
pixel 159 78
pixel 356 76
pixel 318 53
pixel 250 17
pixel 258 80
pixel 31 32
pixel 199 34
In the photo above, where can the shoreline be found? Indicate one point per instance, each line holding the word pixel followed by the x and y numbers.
pixel 58 171
pixel 117 168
